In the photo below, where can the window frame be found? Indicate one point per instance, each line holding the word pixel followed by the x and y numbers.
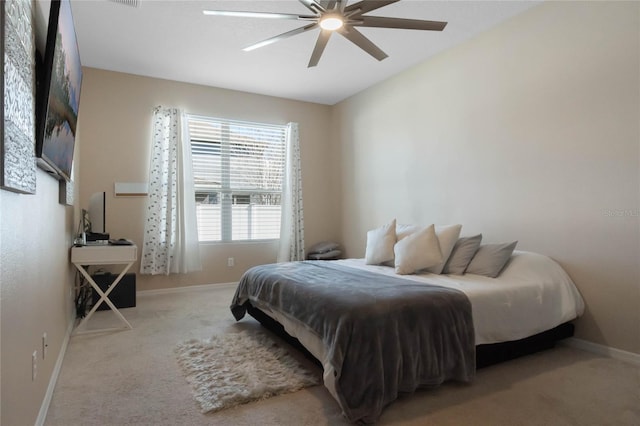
pixel 226 193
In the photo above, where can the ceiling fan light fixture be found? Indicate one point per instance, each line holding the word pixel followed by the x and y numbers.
pixel 331 22
pixel 335 16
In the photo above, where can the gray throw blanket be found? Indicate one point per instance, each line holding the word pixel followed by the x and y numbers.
pixel 383 334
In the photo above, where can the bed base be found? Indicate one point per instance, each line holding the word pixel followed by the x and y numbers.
pixel 495 353
pixel 486 355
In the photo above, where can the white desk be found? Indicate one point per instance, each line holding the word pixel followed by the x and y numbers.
pixel 83 257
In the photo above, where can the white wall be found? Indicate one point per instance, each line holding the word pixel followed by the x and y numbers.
pixel 529 132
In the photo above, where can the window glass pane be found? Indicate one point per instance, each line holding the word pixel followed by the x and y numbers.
pixel 266 221
pixel 207 197
pixel 208 217
pixel 241 199
pixel 207 164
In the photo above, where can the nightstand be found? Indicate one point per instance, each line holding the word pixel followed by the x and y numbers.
pixel 85 256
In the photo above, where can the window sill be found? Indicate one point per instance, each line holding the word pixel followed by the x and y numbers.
pixel 237 242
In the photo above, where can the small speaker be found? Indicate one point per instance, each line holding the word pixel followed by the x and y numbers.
pixel 123 296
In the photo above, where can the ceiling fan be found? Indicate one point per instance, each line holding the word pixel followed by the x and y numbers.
pixel 335 16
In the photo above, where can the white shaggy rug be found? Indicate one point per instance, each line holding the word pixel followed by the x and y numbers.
pixel 235 368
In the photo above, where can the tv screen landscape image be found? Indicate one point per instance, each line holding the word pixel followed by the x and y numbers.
pixel 60 93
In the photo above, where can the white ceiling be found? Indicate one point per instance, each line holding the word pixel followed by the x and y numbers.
pixel 174 40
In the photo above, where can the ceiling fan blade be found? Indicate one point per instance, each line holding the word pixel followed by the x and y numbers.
pixel 365 6
pixel 323 38
pixel 312 5
pixel 281 37
pixel 258 15
pixel 331 4
pixel 357 38
pixel 407 24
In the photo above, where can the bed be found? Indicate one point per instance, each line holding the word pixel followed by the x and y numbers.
pixel 377 334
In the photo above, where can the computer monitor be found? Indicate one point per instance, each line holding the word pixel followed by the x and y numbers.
pixel 97 213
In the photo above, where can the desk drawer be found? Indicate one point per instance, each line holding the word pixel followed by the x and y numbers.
pixel 103 255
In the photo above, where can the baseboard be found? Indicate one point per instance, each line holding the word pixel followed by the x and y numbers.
pixel 42 415
pixel 610 352
pixel 186 289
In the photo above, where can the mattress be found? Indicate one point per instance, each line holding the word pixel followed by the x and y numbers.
pixel 532 294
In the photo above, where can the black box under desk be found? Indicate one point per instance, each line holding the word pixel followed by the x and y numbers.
pixel 123 296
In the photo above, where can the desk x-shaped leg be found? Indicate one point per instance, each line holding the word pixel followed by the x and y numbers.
pixel 104 297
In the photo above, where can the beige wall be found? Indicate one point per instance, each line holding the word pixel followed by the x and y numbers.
pixel 529 132
pixel 35 283
pixel 116 112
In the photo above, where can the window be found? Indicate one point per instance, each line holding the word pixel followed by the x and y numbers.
pixel 238 169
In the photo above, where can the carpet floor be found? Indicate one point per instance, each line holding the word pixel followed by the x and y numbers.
pixel 133 378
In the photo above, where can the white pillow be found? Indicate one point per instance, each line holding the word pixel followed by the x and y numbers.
pixel 380 242
pixel 403 231
pixel 447 237
pixel 417 251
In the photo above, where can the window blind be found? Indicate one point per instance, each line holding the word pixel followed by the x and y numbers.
pixel 238 169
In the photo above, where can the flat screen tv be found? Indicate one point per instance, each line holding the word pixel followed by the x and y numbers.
pixel 58 93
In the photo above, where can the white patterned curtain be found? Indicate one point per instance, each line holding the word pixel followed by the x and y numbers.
pixel 170 233
pixel 292 223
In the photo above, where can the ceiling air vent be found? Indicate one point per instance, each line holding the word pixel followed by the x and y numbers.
pixel 132 3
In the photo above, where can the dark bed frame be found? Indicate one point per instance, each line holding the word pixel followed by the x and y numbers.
pixel 486 355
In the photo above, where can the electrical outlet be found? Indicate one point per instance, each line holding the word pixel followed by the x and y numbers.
pixel 45 345
pixel 230 262
pixel 34 365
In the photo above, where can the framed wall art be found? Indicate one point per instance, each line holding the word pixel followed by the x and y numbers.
pixel 17 133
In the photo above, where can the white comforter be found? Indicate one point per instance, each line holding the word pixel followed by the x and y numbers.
pixel 532 294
